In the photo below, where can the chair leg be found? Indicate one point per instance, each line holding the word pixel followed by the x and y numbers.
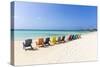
pixel 49 44
pixel 23 46
pixel 31 47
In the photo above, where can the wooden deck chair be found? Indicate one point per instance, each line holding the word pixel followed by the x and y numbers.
pixel 59 40
pixel 27 43
pixel 63 39
pixel 53 40
pixel 46 42
pixel 70 38
pixel 40 42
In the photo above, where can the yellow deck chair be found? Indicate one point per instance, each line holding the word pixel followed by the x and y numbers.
pixel 53 40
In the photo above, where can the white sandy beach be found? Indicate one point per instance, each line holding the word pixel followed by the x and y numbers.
pixel 84 49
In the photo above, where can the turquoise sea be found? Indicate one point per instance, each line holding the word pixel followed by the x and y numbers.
pixel 33 34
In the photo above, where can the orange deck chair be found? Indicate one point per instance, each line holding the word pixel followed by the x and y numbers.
pixel 40 42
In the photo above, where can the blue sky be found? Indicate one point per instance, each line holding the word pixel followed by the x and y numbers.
pixel 54 16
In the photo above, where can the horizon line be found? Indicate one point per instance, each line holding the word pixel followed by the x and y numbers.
pixel 50 30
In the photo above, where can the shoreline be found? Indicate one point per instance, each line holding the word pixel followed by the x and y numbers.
pixel 50 36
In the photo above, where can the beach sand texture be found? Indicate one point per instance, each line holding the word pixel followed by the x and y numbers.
pixel 84 49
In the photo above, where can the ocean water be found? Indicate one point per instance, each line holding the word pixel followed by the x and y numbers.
pixel 31 34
